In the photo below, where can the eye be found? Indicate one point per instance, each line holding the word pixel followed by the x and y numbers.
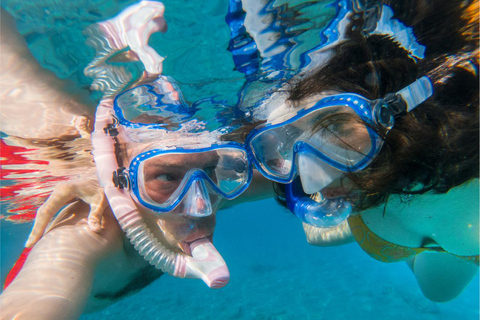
pixel 165 177
pixel 161 184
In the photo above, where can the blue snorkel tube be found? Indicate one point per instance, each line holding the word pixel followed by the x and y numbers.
pixel 324 214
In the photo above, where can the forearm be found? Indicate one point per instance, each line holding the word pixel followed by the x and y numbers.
pixel 54 283
pixel 56 280
pixel 48 289
pixel 47 104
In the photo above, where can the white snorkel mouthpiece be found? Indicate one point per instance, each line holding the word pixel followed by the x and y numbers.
pixel 206 264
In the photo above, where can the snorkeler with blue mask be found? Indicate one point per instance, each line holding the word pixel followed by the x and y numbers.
pixel 164 177
pixel 154 176
pixel 299 146
pixel 175 177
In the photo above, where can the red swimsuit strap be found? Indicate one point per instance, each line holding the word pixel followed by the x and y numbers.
pixel 16 267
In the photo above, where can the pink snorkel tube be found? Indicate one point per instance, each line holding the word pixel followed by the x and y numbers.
pixel 206 263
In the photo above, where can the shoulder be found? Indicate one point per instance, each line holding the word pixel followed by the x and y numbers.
pixel 449 220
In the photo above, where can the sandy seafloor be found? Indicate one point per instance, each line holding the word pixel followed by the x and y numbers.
pixel 276 274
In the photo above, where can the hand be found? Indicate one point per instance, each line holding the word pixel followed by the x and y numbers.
pixel 65 192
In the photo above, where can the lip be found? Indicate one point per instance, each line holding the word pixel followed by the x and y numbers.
pixel 335 192
pixel 186 248
pixel 181 231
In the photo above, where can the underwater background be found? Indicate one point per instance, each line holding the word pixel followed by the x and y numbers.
pixel 275 273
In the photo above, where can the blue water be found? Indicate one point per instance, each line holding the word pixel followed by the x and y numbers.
pixel 275 274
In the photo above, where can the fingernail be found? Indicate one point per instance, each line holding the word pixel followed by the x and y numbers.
pixel 29 243
pixel 95 226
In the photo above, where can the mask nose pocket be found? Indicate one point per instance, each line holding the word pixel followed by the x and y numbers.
pixel 197 201
pixel 314 173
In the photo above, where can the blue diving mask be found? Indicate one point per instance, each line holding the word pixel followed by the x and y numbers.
pixel 189 181
pixel 298 146
pixel 347 147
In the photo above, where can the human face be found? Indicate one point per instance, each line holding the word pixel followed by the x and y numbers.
pixel 183 187
pixel 335 131
pixel 317 146
pixel 162 177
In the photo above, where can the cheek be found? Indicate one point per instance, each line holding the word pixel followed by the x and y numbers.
pixel 160 191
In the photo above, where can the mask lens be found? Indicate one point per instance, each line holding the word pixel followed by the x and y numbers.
pixel 164 179
pixel 337 132
pixel 345 140
pixel 273 150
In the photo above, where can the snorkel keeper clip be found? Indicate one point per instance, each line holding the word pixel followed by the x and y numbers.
pixel 120 179
pixel 385 110
pixel 111 128
pixel 395 104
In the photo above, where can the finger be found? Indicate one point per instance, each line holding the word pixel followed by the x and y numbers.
pixel 96 214
pixel 59 197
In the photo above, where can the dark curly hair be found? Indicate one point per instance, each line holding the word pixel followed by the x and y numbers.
pixel 434 147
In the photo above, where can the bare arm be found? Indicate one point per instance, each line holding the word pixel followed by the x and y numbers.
pixel 57 277
pixel 49 107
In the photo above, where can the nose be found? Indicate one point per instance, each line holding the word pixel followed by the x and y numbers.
pixel 202 206
pixel 314 173
pixel 197 200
